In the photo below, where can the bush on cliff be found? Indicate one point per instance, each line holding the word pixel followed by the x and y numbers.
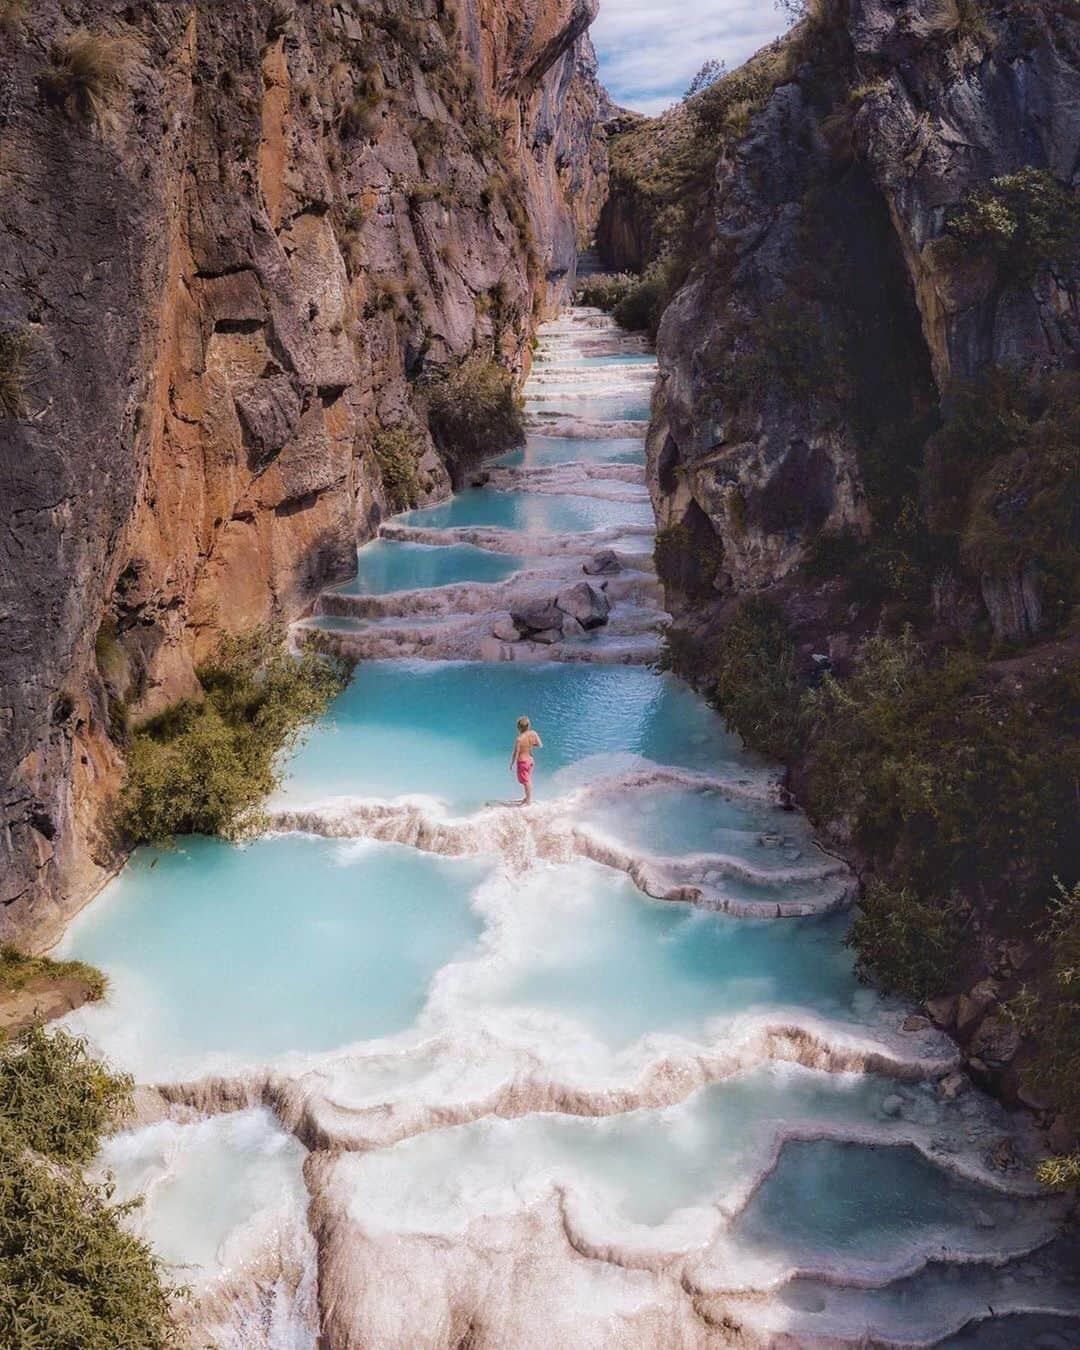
pixel 752 679
pixel 475 412
pixel 904 942
pixel 70 1275
pixel 1000 484
pixel 204 767
pixel 642 307
pixel 605 290
pixel 1027 220
pixel 953 787
pixel 14 367
pixel 396 455
pixel 87 73
pixel 1050 1014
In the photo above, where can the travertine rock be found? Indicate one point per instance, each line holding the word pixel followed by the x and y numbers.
pixel 586 603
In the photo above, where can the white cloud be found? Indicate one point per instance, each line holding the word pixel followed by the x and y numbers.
pixel 650 50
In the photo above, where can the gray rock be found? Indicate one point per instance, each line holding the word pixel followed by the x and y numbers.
pixel 585 603
pixel 571 628
pixel 952 1085
pixel 537 616
pixel 892 1105
pixel 505 629
pixel 603 563
pixel 547 636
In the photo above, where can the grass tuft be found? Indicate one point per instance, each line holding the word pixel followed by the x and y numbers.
pixel 86 73
pixel 15 350
pixel 18 970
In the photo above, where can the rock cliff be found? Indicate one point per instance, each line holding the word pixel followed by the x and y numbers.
pixel 864 425
pixel 238 242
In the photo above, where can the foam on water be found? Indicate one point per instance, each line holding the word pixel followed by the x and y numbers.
pixel 224 1204
pixel 573 938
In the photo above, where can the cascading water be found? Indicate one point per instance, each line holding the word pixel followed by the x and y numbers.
pixel 431 1072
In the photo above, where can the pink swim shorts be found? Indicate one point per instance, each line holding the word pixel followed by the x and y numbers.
pixel 524 771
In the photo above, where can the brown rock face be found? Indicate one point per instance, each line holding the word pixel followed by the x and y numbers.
pixel 287 219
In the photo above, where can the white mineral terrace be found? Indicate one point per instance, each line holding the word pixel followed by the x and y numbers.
pixel 420 1070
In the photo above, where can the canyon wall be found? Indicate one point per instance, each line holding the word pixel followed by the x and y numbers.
pixel 862 439
pixel 237 241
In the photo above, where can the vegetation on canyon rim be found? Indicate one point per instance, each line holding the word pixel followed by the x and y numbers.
pixel 70 1274
pixel 18 970
pixel 474 412
pixel 203 767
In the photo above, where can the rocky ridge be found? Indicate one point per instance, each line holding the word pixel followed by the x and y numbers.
pixel 230 271
pixel 875 286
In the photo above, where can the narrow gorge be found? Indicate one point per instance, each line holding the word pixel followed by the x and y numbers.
pixel 757 1028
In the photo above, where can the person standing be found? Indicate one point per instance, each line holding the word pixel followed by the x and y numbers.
pixel 522 759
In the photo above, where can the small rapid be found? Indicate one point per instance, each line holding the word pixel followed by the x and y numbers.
pixel 418 1069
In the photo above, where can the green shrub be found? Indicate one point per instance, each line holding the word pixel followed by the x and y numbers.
pixel 752 678
pixel 204 767
pixel 604 290
pixel 1050 1016
pixel 70 1275
pixel 1000 483
pixel 643 305
pixel 724 108
pixel 14 364
pixel 56 1099
pixel 906 943
pixel 1025 507
pixel 87 72
pixel 782 345
pixel 395 454
pixel 475 412
pixel 1027 220
pixel 18 970
pixel 952 788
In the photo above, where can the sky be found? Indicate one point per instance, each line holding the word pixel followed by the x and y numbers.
pixel 650 50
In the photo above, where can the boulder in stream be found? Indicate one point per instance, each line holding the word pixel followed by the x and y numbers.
pixel 601 564
pixel 505 629
pixel 585 603
pixel 537 616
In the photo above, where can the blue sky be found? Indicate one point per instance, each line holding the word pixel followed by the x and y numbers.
pixel 651 49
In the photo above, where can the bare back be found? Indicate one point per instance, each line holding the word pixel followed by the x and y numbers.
pixel 525 744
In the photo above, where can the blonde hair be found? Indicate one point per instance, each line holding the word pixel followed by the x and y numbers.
pixel 523 724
